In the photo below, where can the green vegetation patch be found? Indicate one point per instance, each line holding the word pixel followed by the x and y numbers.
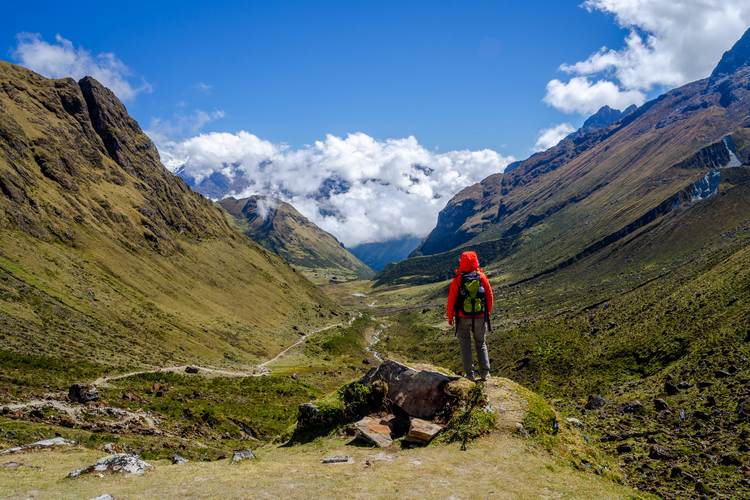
pixel 472 419
pixel 215 409
pixel 24 374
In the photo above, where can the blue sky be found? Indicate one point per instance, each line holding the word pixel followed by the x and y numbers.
pixel 454 74
pixel 365 94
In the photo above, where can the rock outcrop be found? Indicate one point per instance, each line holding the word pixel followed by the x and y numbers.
pixel 419 393
pixel 83 393
pixel 397 402
pixel 45 444
pixel 120 463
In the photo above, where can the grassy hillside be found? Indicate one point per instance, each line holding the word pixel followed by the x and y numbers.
pixel 279 227
pixel 595 187
pixel 668 304
pixel 106 257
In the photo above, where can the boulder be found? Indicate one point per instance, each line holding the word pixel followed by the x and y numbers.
pixel 659 453
pixel 422 431
pixel 595 402
pixel 309 416
pixel 178 459
pixel 83 393
pixel 730 460
pixel 661 405
pixel 44 444
pixel 191 369
pixel 743 408
pixel 670 388
pixel 575 422
pixel 624 448
pixel 119 463
pixel 418 393
pixel 242 455
pixel 373 431
pixel 337 459
pixel 684 385
pixel 636 407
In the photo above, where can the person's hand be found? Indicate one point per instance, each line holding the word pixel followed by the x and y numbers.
pixel 450 321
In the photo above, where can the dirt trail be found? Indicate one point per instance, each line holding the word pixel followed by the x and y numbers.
pixel 205 370
pixel 259 370
pixel 302 339
pixel 118 418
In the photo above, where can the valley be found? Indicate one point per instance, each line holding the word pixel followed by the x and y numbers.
pixel 139 318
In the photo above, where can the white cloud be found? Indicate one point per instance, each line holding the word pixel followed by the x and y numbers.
pixel 384 189
pixel 669 43
pixel 580 95
pixel 551 136
pixel 62 59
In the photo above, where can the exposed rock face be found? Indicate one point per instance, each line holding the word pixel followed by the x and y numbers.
pixel 83 393
pixel 418 393
pixel 121 463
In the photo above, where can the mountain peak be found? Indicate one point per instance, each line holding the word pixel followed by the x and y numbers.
pixel 735 58
pixel 605 116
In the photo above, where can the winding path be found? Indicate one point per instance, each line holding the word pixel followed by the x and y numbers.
pixel 256 371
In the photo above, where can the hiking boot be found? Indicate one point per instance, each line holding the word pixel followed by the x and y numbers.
pixel 485 377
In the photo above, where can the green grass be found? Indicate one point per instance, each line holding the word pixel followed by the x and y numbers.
pixel 22 375
pixel 215 408
pixel 471 420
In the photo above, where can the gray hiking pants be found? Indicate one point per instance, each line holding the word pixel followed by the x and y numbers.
pixel 476 328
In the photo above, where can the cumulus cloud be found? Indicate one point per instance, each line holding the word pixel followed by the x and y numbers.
pixel 356 187
pixel 581 95
pixel 669 43
pixel 62 59
pixel 549 137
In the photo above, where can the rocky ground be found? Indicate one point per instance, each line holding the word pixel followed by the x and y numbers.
pixel 460 440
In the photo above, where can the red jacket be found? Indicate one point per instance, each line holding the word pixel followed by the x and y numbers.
pixel 466 264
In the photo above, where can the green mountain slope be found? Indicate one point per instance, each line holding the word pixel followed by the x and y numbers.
pixel 596 186
pixel 279 227
pixel 620 260
pixel 106 256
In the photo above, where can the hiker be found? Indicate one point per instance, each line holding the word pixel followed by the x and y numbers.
pixel 470 303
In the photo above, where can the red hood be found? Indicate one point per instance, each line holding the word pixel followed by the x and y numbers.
pixel 468 262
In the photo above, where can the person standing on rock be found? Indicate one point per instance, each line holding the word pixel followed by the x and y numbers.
pixel 470 302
